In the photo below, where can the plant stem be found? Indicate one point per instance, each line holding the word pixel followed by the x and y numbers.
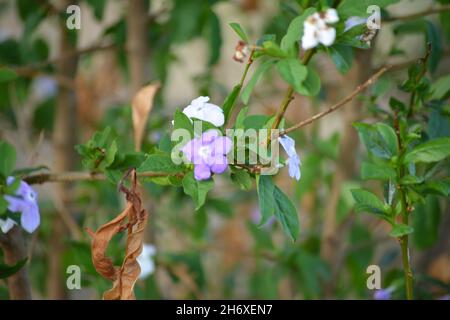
pixel 240 85
pixel 289 93
pixel 404 240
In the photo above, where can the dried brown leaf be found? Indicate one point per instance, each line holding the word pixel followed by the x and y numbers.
pixel 125 276
pixel 141 105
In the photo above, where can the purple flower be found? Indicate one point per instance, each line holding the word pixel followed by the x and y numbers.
pixel 24 201
pixel 208 154
pixel 294 160
pixel 383 294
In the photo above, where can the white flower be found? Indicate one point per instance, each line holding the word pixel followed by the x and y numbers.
pixel 202 110
pixel 330 16
pixel 145 260
pixel 6 225
pixel 316 29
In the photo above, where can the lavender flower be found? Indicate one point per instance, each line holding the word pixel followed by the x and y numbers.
pixel 294 160
pixel 383 294
pixel 24 201
pixel 208 154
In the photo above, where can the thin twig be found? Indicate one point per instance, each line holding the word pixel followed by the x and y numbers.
pixel 420 14
pixel 84 176
pixel 341 103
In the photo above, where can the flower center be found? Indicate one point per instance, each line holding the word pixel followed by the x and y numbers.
pixel 204 152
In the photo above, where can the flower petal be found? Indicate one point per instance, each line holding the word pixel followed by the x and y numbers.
pixel 222 145
pixel 309 38
pixel 331 16
pixel 30 218
pixel 202 172
pixel 220 164
pixel 327 36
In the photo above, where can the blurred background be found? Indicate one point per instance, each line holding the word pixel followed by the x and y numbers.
pixel 74 82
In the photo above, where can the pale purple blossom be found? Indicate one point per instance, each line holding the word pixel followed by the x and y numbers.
pixel 353 22
pixel 383 294
pixel 208 154
pixel 45 87
pixel 24 201
pixel 293 160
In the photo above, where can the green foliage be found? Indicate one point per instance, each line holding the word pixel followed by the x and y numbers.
pixel 7 159
pixel 259 72
pixel 293 72
pixel 430 151
pixel 379 139
pixel 197 189
pixel 159 163
pixel 272 201
pixel 239 31
pixel 99 152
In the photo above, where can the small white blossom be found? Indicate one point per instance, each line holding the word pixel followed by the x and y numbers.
pixel 145 260
pixel 316 29
pixel 202 110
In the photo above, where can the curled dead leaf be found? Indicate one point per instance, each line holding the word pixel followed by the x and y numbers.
pixel 133 219
pixel 141 105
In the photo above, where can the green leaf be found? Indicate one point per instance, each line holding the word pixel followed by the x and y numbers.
pixel 426 221
pixel 293 72
pixel 182 121
pixel 273 50
pixel 430 151
pixel 239 31
pixel 228 104
pixel 400 230
pixel 441 88
pixel 7 271
pixel 286 213
pixel 407 180
pixel 348 8
pixel 366 201
pixel 247 91
pixel 159 163
pixel 7 159
pixel 215 38
pixel 311 85
pixel 342 57
pixel 3 205
pixel 99 7
pixel 239 123
pixel 371 171
pixel 255 121
pixel 295 31
pixel 241 178
pixel 197 189
pixel 265 188
pixel 379 139
pixel 7 75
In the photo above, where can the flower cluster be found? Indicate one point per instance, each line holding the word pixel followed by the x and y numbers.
pixel 24 201
pixel 317 29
